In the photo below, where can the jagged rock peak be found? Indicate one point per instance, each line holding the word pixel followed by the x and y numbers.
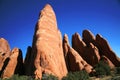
pixel 73 60
pixel 77 43
pixel 106 50
pixel 88 36
pixel 65 38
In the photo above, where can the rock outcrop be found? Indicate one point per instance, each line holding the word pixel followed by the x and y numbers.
pixel 4 52
pixel 89 52
pixel 47 46
pixel 88 37
pixel 107 61
pixel 15 64
pixel 105 50
pixel 73 60
pixel 11 62
pixel 29 62
pixel 49 55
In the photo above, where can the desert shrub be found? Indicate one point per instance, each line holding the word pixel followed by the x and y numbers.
pixel 102 69
pixel 49 77
pixel 115 78
pixel 17 77
pixel 117 70
pixel 79 75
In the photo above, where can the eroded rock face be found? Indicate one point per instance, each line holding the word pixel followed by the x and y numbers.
pixel 106 60
pixel 105 49
pixel 28 62
pixel 47 46
pixel 78 44
pixel 15 64
pixel 73 60
pixel 4 47
pixel 4 53
pixel 89 52
pixel 88 37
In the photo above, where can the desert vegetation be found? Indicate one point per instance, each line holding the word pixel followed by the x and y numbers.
pixel 102 72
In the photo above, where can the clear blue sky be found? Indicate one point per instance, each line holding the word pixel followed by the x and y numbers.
pixel 18 19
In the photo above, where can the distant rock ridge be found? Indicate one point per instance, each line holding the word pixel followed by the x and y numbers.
pixel 50 54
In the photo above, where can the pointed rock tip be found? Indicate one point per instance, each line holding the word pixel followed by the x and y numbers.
pixel 65 35
pixel 15 49
pixel 2 39
pixel 48 6
pixel 87 32
pixel 98 35
pixel 77 33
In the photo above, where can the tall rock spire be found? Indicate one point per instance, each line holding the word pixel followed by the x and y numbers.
pixel 47 46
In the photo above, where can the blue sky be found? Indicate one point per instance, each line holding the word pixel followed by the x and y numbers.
pixel 18 19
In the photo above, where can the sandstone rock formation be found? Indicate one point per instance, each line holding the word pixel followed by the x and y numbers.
pixel 73 60
pixel 88 37
pixel 4 53
pixel 29 62
pixel 15 64
pixel 11 62
pixel 47 46
pixel 89 52
pixel 49 56
pixel 106 60
pixel 105 49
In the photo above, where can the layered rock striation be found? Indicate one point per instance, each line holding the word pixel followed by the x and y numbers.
pixel 47 52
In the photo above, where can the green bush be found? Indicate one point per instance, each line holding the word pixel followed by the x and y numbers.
pixel 49 77
pixel 79 75
pixel 117 70
pixel 116 78
pixel 17 77
pixel 102 69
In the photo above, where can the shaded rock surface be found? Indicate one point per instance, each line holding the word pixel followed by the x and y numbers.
pixel 4 52
pixel 106 60
pixel 11 62
pixel 73 60
pixel 28 62
pixel 88 52
pixel 106 50
pixel 88 37
pixel 15 64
